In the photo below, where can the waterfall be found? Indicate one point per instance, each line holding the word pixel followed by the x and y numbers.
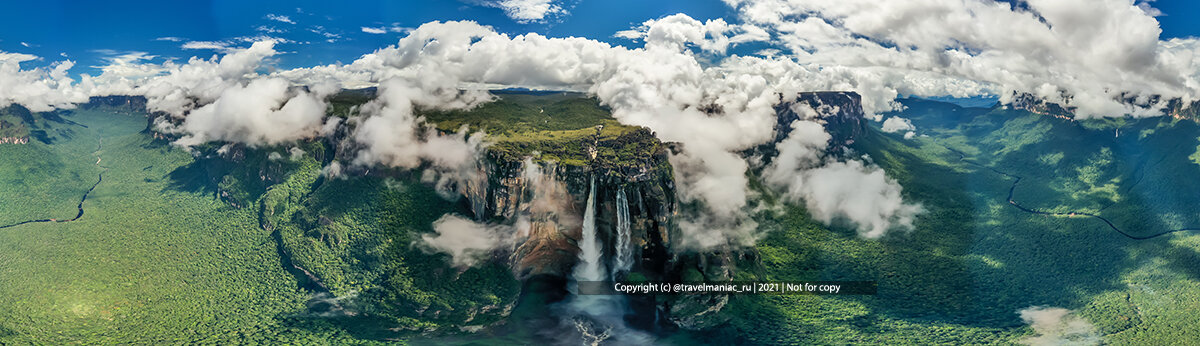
pixel 590 267
pixel 624 251
pixel 599 319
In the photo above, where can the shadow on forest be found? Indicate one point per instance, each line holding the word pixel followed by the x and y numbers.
pixel 1043 260
pixel 199 176
pixel 1185 260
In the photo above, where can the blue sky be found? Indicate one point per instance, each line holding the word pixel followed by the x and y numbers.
pixel 330 31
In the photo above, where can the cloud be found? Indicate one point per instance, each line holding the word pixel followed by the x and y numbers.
pixel 329 36
pixel 714 35
pixel 862 195
pixel 39 89
pixel 371 30
pixel 713 111
pixel 122 70
pixel 295 153
pixel 391 134
pixel 898 124
pixel 334 170
pixel 1082 53
pixel 468 243
pixel 527 11
pixel 280 18
pixel 170 39
pixel 220 99
pixel 1057 326
pixel 270 29
pixel 264 111
pixel 835 190
pixel 1078 52
pixel 212 45
pixel 1149 9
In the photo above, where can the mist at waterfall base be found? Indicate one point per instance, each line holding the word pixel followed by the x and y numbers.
pixel 599 319
pixel 550 310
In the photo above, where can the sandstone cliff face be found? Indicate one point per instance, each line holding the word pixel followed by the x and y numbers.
pixel 1033 104
pixel 1175 107
pixel 546 204
pixel 841 114
pixel 841 111
pixel 1179 109
pixel 14 140
pixel 547 209
pixel 130 103
pixel 15 123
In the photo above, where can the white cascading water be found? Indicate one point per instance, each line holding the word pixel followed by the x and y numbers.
pixel 624 256
pixel 599 317
pixel 590 267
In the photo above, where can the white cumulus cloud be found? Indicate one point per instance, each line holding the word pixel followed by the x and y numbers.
pixel 898 124
pixel 467 242
pixel 527 11
pixel 1081 53
pixel 1057 326
pixel 39 89
pixel 280 18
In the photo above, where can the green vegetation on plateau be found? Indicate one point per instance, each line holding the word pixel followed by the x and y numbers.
pixel 559 126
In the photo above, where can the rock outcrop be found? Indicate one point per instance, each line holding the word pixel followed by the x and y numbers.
pixel 842 113
pixel 14 140
pixel 130 103
pixel 1033 104
pixel 546 203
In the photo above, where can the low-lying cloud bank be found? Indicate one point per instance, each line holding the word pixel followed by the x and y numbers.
pixel 1057 326
pixel 836 190
pixel 467 242
pixel 681 83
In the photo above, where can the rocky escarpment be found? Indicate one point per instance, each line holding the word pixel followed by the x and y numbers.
pixel 1033 104
pixel 131 103
pixel 841 113
pixel 544 197
pixel 1175 107
pixel 15 122
pixel 644 188
pixel 14 140
pixel 546 202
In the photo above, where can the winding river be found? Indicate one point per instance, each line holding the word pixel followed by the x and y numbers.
pixel 1017 180
pixel 99 178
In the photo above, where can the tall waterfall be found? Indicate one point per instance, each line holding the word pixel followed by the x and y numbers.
pixel 590 267
pixel 624 251
pixel 599 319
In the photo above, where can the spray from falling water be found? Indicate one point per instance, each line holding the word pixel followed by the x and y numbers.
pixel 624 256
pixel 590 267
pixel 599 319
